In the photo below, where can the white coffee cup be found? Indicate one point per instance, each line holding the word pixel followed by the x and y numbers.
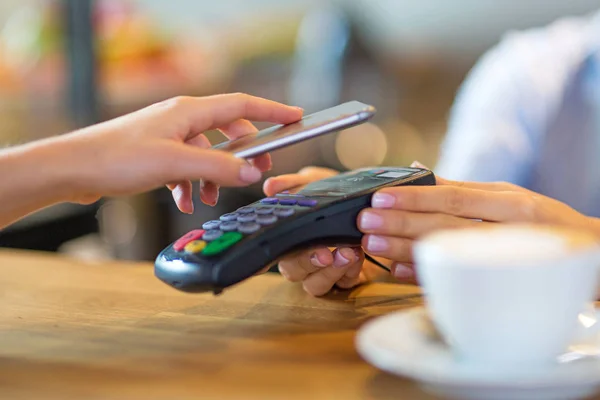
pixel 508 295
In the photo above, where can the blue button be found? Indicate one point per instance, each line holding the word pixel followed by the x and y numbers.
pixel 214 224
pixel 266 219
pixel 229 226
pixel 209 236
pixel 289 195
pixel 245 210
pixel 248 227
pixel 269 200
pixel 288 202
pixel 283 212
pixel 307 203
pixel 246 217
pixel 229 216
pixel 264 210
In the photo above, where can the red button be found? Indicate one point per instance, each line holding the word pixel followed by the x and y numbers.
pixel 188 237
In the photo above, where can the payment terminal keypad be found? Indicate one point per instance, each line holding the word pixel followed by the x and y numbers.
pixel 217 236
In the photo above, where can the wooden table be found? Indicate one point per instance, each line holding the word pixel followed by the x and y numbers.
pixel 73 330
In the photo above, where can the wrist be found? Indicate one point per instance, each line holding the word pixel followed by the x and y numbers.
pixel 34 176
pixel 46 169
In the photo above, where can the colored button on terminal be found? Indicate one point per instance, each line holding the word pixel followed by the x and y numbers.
pixel 288 202
pixel 248 227
pixel 247 217
pixel 214 224
pixel 223 243
pixel 195 247
pixel 264 210
pixel 211 235
pixel 269 200
pixel 229 226
pixel 188 237
pixel 266 219
pixel 283 212
pixel 307 203
pixel 229 217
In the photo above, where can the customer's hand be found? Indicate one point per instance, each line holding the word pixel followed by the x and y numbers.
pixel 319 268
pixel 165 144
pixel 400 215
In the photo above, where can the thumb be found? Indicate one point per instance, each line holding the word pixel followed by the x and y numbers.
pixel 193 163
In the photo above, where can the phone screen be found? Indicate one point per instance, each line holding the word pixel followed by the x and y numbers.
pixel 330 120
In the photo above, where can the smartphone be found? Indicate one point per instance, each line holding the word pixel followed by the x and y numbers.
pixel 310 126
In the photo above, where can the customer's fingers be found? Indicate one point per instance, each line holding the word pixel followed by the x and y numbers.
pixel 322 281
pixel 195 115
pixel 243 127
pixel 407 224
pixel 458 201
pixel 209 192
pixel 297 267
pixel 352 277
pixel 492 186
pixel 182 195
pixel 389 247
pixel 404 272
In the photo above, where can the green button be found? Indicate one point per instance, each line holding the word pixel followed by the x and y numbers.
pixel 227 240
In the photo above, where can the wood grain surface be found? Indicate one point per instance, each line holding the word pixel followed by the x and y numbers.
pixel 71 329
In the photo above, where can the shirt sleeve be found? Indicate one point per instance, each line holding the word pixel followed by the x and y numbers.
pixel 497 123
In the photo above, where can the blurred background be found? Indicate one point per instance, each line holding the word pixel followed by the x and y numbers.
pixel 71 63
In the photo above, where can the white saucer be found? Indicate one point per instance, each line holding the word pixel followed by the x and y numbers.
pixel 405 343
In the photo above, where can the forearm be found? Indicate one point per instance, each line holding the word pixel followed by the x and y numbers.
pixel 32 177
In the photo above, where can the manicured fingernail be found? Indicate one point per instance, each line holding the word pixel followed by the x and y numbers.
pixel 343 257
pixel 403 272
pixel 417 164
pixel 376 244
pixel 369 220
pixel 382 200
pixel 314 260
pixel 249 174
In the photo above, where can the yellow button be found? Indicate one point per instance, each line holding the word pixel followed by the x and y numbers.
pixel 195 247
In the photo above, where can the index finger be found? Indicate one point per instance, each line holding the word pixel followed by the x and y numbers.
pixel 212 112
pixel 458 201
pixel 490 186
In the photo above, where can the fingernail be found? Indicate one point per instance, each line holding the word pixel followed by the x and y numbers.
pixel 382 200
pixel 403 272
pixel 416 164
pixel 343 257
pixel 369 220
pixel 314 260
pixel 299 108
pixel 376 244
pixel 249 174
